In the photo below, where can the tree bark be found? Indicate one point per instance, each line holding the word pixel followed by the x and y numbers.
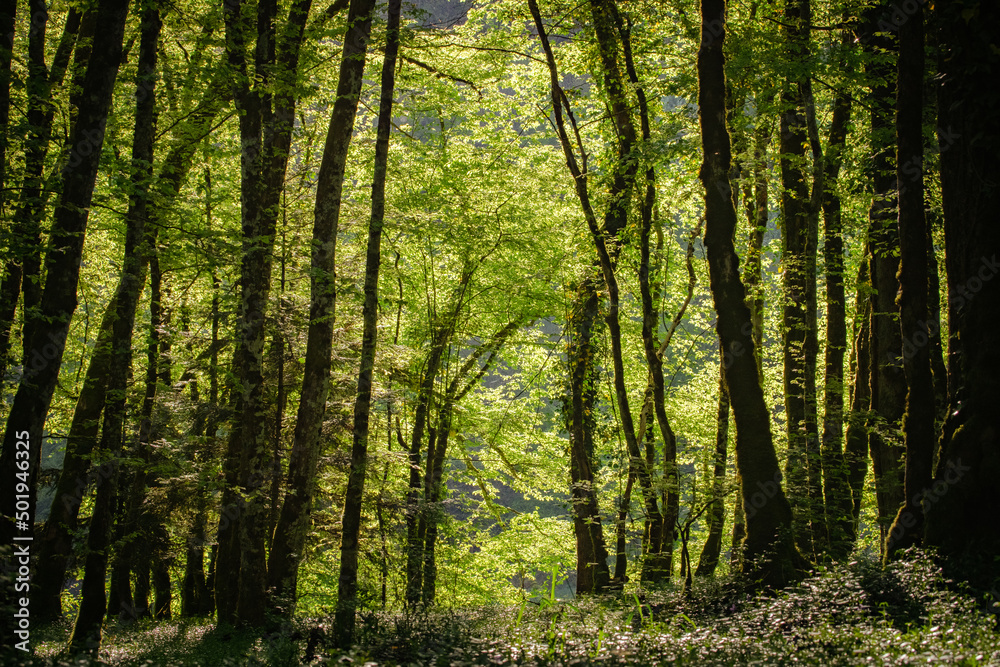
pixel 959 521
pixel 918 420
pixel 347 582
pixel 888 384
pixel 769 550
pixel 836 487
pixel 798 237
pixel 709 558
pixel 21 271
pixel 26 420
pixel 266 120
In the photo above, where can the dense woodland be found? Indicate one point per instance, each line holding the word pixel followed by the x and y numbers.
pixel 338 311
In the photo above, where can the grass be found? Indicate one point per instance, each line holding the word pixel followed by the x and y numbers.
pixel 850 614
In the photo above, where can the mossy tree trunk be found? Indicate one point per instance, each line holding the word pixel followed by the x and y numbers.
pixel 918 421
pixel 959 517
pixel 769 548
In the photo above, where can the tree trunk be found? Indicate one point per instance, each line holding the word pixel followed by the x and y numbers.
pixel 293 522
pixel 757 215
pixel 959 520
pixel 888 384
pixel 798 237
pixel 87 630
pixel 709 558
pixel 858 418
pixel 347 583
pixel 55 543
pixel 21 272
pixel 266 121
pixel 918 420
pixel 836 487
pixel 769 517
pixel 26 420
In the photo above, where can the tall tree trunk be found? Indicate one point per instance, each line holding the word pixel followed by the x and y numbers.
pixel 918 420
pixel 709 558
pixel 857 436
pixel 579 415
pixel 55 542
pixel 769 517
pixel 87 630
pixel 959 521
pixel 26 420
pixel 799 317
pixel 293 522
pixel 266 121
pixel 347 582
pixel 757 215
pixel 8 12
pixel 836 487
pixel 21 271
pixel 657 566
pixel 888 384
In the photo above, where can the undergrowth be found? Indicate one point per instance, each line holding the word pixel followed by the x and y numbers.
pixel 850 614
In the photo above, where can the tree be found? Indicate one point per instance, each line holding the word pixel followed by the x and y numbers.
pixel 87 630
pixel 293 522
pixel 62 261
pixel 918 420
pixel 769 550
pixel 266 121
pixel 347 583
pixel 957 521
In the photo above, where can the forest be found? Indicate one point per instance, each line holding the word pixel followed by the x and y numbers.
pixel 538 332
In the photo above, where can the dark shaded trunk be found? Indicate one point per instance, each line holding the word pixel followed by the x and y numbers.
pixel 709 558
pixel 47 341
pixel 836 487
pixel 934 329
pixel 961 521
pixel 769 517
pixel 87 629
pixel 293 522
pixel 8 12
pixel 266 120
pixel 55 543
pixel 579 415
pixel 347 582
pixel 918 420
pixel 21 271
pixel 757 215
pixel 888 384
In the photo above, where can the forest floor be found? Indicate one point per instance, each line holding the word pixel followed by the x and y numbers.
pixel 850 614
